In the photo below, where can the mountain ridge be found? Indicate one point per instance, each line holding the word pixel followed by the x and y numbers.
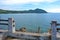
pixel 24 11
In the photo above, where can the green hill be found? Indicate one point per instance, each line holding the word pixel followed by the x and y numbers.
pixel 25 11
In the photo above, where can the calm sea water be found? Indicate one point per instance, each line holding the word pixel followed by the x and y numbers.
pixel 32 21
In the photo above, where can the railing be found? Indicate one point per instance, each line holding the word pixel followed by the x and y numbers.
pixel 10 23
pixel 11 29
pixel 54 28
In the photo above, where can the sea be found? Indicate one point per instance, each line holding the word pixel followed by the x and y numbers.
pixel 31 21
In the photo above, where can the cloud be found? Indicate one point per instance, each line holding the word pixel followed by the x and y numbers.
pixel 11 2
pixel 55 10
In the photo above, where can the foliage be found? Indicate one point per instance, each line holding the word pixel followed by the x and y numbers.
pixel 25 11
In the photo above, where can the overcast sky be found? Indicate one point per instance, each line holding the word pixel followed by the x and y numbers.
pixel 48 5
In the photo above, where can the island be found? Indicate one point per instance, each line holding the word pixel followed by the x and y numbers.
pixel 37 10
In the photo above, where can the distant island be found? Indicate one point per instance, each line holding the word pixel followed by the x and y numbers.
pixel 25 11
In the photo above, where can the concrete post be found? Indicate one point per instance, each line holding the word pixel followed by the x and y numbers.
pixel 53 33
pixel 11 25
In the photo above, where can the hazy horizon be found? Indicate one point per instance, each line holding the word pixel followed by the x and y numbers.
pixel 47 5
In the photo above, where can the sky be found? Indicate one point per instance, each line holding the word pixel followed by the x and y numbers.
pixel 48 5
